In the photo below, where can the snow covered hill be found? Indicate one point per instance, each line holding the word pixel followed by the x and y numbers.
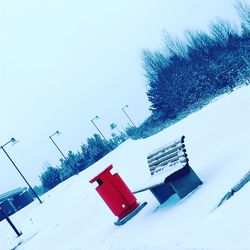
pixel 74 217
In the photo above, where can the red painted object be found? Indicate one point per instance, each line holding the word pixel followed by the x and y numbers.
pixel 115 193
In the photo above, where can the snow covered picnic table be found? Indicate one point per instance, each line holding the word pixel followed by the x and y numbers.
pixel 170 172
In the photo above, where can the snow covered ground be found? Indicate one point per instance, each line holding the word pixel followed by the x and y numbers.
pixel 74 217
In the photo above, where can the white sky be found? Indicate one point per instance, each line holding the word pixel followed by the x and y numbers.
pixel 63 62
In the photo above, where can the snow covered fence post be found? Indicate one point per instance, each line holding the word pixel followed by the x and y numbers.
pixel 10 222
pixel 117 195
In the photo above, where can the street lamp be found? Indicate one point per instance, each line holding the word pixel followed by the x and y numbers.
pixel 14 141
pixel 50 137
pixel 95 118
pixel 123 109
pixel 64 157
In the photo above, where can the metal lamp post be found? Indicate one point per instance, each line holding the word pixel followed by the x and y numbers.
pixel 95 118
pixel 123 109
pixel 13 140
pixel 50 137
pixel 64 157
pixel 10 222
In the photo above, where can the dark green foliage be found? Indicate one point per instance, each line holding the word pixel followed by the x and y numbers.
pixel 118 137
pixel 132 132
pixel 72 165
pixel 116 140
pixel 152 125
pixel 39 190
pixel 50 178
pixel 187 73
pixel 96 149
pixel 91 152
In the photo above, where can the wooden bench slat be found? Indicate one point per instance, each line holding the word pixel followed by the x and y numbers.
pixel 167 146
pixel 162 153
pixel 170 172
pixel 172 161
pixel 179 158
pixel 158 179
pixel 169 164
pixel 174 155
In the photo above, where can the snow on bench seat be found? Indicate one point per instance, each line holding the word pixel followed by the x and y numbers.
pixel 170 172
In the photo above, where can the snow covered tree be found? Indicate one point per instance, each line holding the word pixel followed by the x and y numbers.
pixel 94 150
pixel 50 178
